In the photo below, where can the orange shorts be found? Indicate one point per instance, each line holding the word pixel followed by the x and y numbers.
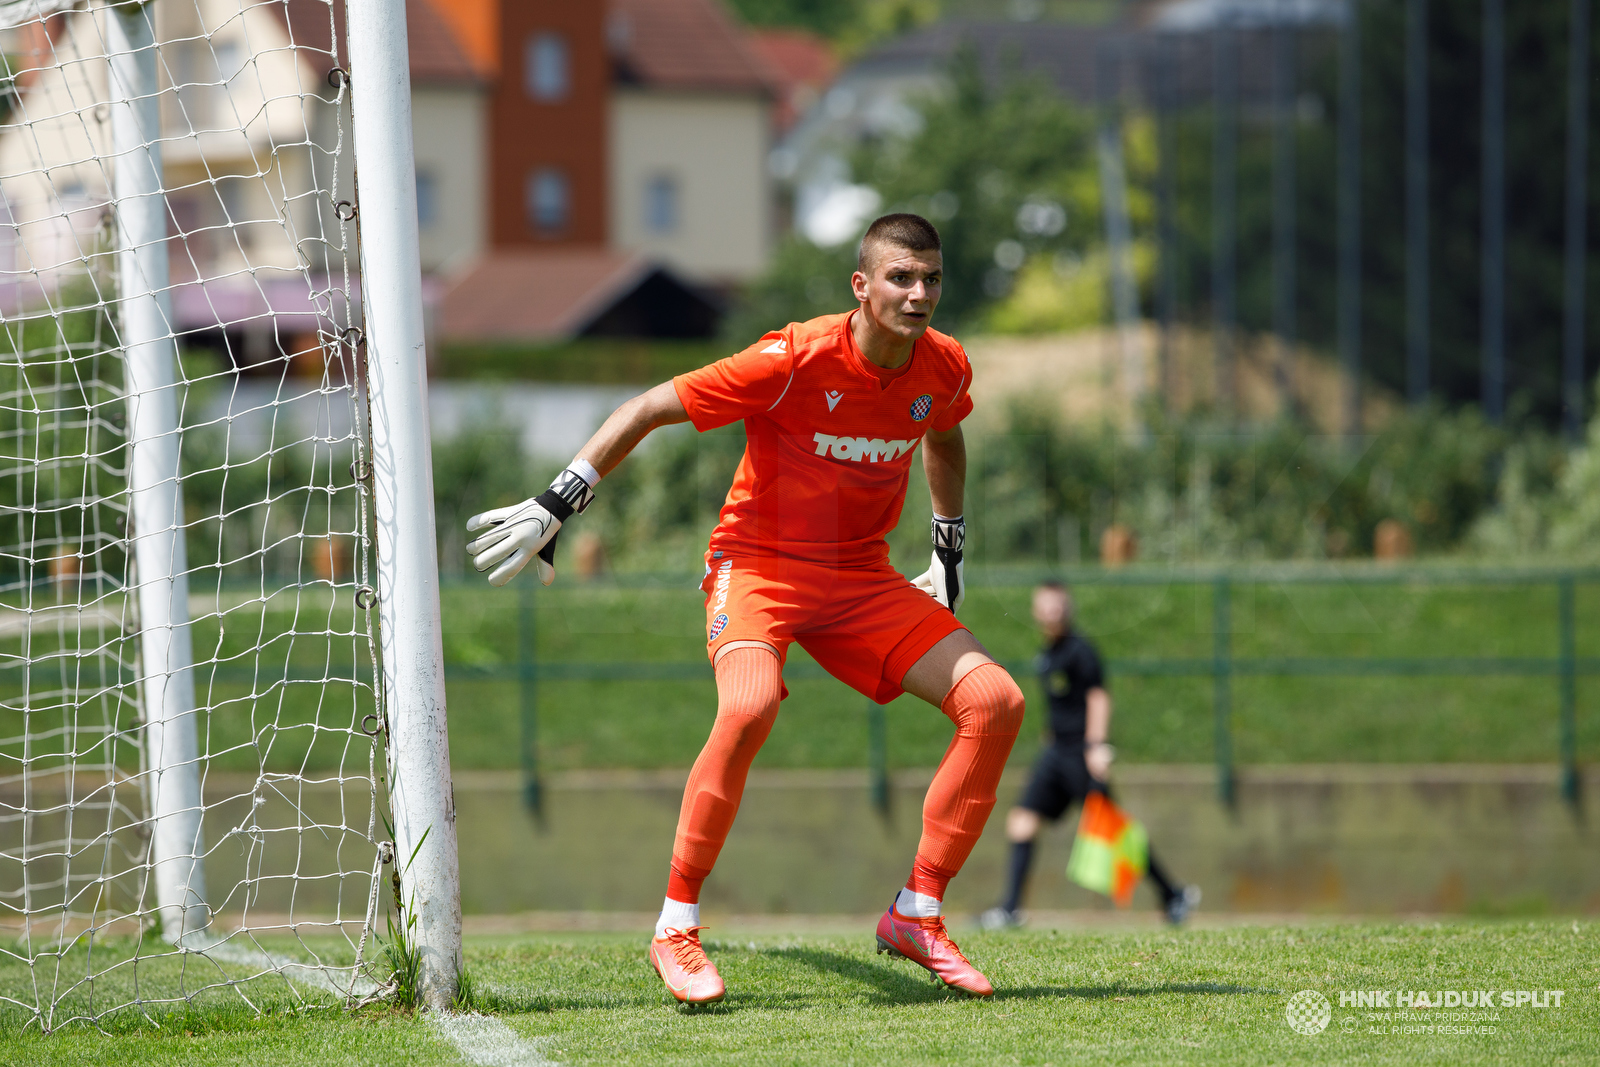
pixel 867 626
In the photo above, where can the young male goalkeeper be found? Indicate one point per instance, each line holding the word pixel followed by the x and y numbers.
pixel 833 409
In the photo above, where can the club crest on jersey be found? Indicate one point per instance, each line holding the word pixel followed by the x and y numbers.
pixel 718 624
pixel 921 406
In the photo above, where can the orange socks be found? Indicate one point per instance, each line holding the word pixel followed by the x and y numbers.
pixel 986 707
pixel 749 685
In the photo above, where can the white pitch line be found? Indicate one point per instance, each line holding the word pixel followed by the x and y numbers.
pixel 485 1041
pixel 288 966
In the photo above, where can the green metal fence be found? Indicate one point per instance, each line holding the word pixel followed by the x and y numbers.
pixel 1222 666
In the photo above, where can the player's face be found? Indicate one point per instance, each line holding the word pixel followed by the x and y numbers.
pixel 901 290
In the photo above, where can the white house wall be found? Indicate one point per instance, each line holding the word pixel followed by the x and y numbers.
pixel 256 128
pixel 715 149
pixel 54 174
pixel 448 128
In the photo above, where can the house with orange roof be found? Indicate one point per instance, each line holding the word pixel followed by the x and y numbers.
pixel 624 150
pixel 611 155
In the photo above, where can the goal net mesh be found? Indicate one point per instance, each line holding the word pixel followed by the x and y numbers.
pixel 260 309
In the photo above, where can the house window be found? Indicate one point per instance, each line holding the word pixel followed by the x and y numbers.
pixel 661 204
pixel 427 199
pixel 231 192
pixel 230 60
pixel 549 200
pixel 546 70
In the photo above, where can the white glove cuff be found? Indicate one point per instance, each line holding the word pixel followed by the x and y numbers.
pixel 585 470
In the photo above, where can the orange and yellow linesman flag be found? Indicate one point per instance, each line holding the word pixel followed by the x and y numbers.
pixel 1111 851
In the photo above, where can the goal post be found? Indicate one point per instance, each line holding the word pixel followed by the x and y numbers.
pixel 156 533
pixel 407 549
pixel 220 643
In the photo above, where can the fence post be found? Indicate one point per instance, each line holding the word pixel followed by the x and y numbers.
pixel 528 679
pixel 878 756
pixel 420 791
pixel 1577 225
pixel 1569 689
pixel 1222 678
pixel 1224 207
pixel 144 315
pixel 1348 213
pixel 1492 200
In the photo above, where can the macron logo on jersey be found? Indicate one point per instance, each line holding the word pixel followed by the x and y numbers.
pixel 859 448
pixel 777 346
pixel 833 396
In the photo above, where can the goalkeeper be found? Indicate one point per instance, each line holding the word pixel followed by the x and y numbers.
pixel 832 409
pixel 1076 761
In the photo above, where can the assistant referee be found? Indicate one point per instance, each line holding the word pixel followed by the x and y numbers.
pixel 1077 759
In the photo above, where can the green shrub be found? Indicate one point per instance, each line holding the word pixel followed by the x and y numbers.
pixel 1197 490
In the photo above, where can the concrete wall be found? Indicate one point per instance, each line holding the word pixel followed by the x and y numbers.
pixel 1339 840
pixel 714 149
pixel 448 126
pixel 1351 839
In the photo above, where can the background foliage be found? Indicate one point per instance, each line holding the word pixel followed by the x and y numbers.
pixel 994 145
pixel 1041 491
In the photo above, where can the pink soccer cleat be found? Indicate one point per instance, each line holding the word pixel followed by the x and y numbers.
pixel 925 943
pixel 682 964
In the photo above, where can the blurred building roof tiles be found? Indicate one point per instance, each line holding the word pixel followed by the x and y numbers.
pixel 559 293
pixel 683 44
pixel 800 65
pixel 436 56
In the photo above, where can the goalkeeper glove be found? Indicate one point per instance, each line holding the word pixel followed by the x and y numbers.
pixel 527 530
pixel 943 579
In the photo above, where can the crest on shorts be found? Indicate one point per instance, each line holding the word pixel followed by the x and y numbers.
pixel 718 624
pixel 921 406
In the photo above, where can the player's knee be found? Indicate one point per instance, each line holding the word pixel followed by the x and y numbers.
pixel 749 686
pixel 1022 824
pixel 1006 707
pixel 991 703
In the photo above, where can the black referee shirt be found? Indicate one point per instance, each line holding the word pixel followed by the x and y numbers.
pixel 1068 669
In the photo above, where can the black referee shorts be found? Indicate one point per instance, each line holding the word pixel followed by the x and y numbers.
pixel 1060 779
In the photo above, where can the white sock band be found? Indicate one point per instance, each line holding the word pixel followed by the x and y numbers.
pixel 677 915
pixel 915 905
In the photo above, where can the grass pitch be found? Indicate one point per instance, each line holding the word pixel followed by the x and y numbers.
pixel 1204 996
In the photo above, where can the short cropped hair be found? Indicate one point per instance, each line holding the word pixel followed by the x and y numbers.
pixel 900 230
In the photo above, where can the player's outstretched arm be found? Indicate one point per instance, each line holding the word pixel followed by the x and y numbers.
pixel 944 459
pixel 528 530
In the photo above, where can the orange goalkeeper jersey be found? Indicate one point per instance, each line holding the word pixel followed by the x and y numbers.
pixel 829 437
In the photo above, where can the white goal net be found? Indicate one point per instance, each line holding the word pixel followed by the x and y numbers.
pixel 191 738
